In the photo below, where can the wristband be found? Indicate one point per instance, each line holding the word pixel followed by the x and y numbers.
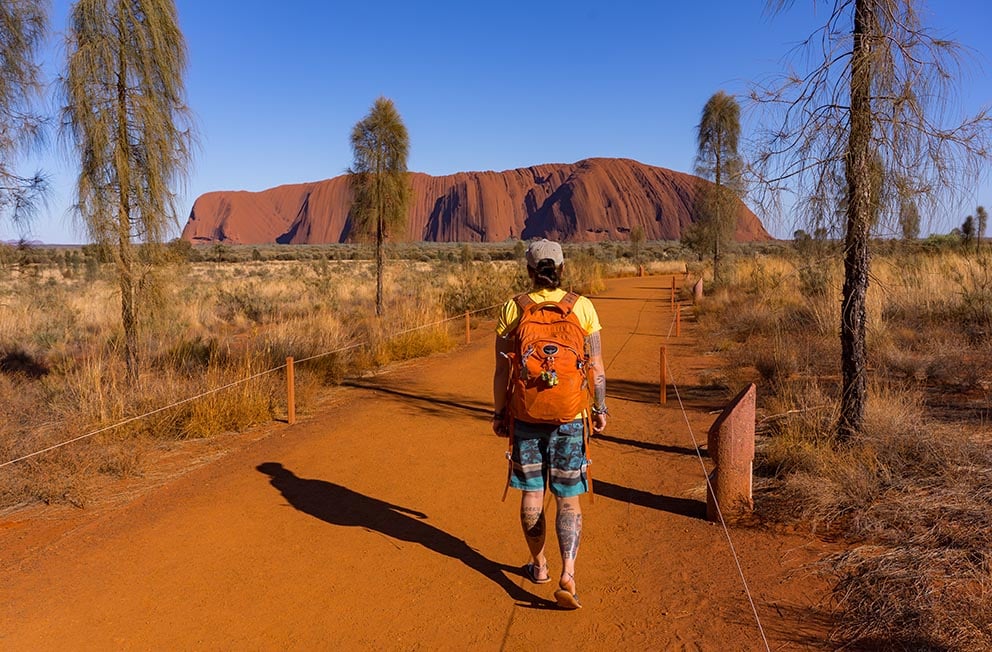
pixel 498 415
pixel 602 410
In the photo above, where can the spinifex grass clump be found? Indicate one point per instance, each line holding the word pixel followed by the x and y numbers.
pixel 910 493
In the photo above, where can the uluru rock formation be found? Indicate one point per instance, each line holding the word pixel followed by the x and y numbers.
pixel 592 200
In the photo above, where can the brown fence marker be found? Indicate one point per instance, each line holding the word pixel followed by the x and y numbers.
pixel 678 320
pixel 468 329
pixel 730 443
pixel 673 291
pixel 290 393
pixel 664 375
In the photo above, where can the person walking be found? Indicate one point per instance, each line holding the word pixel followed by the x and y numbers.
pixel 543 407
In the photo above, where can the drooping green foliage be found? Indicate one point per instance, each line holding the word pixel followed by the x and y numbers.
pixel 23 24
pixel 718 160
pixel 126 118
pixel 379 180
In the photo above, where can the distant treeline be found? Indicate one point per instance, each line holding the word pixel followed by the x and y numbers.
pixel 90 255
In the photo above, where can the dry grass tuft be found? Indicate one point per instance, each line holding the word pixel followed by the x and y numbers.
pixel 899 599
pixel 203 326
pixel 912 493
pixel 220 316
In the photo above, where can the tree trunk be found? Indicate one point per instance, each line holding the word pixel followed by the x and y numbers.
pixel 857 258
pixel 125 253
pixel 379 239
pixel 129 321
pixel 718 218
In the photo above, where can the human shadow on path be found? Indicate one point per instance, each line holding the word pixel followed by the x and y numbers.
pixel 339 505
pixel 680 506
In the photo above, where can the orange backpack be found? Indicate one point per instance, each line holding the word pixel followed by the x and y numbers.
pixel 549 362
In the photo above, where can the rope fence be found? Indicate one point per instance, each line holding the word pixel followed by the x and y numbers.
pixel 668 377
pixel 241 381
pixel 666 374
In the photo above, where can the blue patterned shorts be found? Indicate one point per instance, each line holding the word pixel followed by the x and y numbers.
pixel 541 449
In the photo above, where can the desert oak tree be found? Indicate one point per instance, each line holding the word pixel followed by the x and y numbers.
pixel 23 24
pixel 968 231
pixel 878 91
pixel 909 219
pixel 379 179
pixel 718 160
pixel 125 116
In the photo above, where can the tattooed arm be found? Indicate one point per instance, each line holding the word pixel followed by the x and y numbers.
pixel 597 371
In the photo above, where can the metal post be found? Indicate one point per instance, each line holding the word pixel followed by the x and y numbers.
pixel 468 329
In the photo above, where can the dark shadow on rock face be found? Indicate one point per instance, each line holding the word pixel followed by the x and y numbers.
pixel 339 505
pixel 681 506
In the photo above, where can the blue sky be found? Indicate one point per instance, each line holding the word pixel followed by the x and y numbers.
pixel 277 86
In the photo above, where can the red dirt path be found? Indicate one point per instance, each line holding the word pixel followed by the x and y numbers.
pixel 377 524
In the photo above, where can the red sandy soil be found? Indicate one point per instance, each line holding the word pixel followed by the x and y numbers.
pixel 589 201
pixel 377 524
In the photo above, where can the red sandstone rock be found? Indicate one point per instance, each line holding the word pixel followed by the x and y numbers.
pixel 592 200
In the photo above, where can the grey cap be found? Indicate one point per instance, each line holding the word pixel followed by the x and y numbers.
pixel 544 249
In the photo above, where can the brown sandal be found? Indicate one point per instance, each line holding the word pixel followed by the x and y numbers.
pixel 531 570
pixel 567 598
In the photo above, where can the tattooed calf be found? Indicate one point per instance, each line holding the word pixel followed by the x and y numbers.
pixel 532 520
pixel 568 525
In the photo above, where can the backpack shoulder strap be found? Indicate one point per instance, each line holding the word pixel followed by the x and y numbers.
pixel 568 302
pixel 523 300
pixel 565 304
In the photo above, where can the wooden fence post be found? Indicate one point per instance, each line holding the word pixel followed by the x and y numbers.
pixel 290 392
pixel 678 320
pixel 468 329
pixel 673 291
pixel 664 375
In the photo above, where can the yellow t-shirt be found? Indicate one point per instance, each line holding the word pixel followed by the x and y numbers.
pixel 509 315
